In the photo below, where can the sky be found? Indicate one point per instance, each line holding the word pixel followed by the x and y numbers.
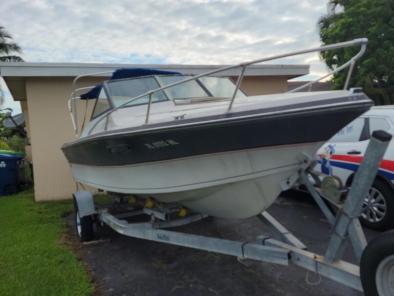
pixel 163 31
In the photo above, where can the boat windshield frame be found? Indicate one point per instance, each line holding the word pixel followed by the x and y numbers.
pixel 112 99
pixel 166 92
pixel 110 102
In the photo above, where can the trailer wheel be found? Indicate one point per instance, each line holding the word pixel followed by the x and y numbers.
pixel 377 266
pixel 83 225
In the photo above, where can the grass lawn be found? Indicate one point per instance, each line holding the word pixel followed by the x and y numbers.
pixel 33 259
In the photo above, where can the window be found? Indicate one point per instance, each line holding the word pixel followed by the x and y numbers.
pixel 351 132
pixel 190 89
pixel 220 87
pixel 122 91
pixel 376 123
pixel 102 104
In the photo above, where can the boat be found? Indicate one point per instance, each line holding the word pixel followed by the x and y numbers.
pixel 199 141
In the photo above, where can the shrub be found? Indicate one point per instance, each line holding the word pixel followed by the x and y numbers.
pixel 4 145
pixel 17 143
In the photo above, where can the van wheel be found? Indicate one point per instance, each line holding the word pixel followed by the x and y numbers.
pixel 378 207
pixel 377 265
pixel 83 225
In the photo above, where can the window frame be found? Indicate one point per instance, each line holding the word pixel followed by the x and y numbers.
pixel 135 78
pixel 167 96
pixel 364 132
pixel 111 105
pixel 228 78
pixel 200 83
pixel 171 98
pixel 385 118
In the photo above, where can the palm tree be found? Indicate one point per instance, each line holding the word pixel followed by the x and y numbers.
pixel 8 51
pixel 8 48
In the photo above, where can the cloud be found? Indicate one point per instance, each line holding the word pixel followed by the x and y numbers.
pixel 171 31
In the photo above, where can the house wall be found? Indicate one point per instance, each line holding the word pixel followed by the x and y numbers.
pixel 257 85
pixel 49 126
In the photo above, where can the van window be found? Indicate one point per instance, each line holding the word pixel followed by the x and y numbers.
pixel 376 123
pixel 351 132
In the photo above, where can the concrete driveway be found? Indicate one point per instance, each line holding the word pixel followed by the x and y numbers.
pixel 127 266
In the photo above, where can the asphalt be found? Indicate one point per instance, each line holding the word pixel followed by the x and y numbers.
pixel 126 266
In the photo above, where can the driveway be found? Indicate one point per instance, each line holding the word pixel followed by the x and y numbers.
pixel 127 266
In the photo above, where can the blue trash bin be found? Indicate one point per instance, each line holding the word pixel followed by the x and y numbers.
pixel 9 172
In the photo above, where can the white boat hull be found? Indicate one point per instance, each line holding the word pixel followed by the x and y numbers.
pixel 237 184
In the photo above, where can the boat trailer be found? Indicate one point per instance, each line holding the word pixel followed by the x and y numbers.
pixel 374 275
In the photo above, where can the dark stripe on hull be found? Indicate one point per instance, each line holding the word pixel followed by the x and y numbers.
pixel 223 116
pixel 198 139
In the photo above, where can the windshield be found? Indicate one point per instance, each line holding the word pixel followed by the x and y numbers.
pixel 122 91
pixel 220 87
pixel 190 89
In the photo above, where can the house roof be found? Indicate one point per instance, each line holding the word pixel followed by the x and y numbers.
pixel 21 69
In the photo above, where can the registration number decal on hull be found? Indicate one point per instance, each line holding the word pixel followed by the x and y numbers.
pixel 161 144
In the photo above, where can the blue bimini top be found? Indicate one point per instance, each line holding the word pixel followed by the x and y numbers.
pixel 122 74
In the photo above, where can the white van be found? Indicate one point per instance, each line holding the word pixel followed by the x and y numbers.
pixel 343 153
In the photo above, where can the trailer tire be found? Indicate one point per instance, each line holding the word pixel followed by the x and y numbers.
pixel 83 225
pixel 376 262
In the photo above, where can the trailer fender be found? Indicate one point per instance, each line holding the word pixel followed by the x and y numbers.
pixel 85 203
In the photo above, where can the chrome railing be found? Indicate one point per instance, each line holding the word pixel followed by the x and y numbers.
pixel 243 66
pixel 72 100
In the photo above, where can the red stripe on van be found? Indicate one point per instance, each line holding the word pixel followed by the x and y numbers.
pixel 385 164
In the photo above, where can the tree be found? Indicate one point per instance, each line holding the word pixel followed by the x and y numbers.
pixel 8 48
pixel 8 51
pixel 11 138
pixel 374 19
